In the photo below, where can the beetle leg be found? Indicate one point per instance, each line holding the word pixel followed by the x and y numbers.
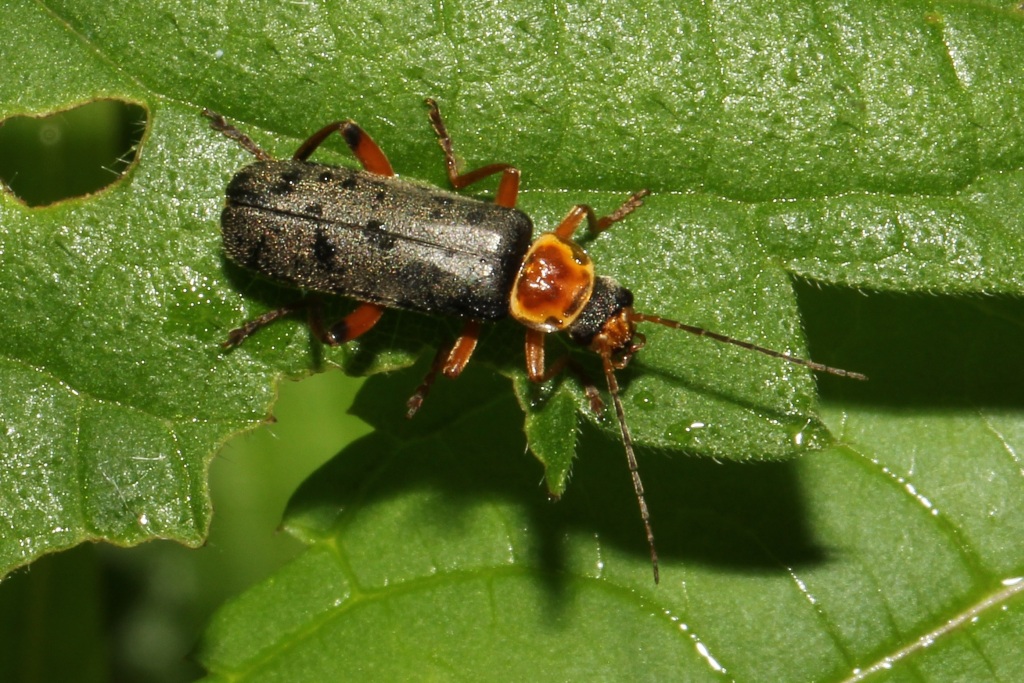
pixel 572 221
pixel 462 350
pixel 450 360
pixel 355 324
pixel 219 123
pixel 508 186
pixel 535 356
pixel 597 225
pixel 416 400
pixel 537 373
pixel 240 334
pixel 366 151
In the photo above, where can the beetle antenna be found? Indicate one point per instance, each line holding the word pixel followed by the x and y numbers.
pixel 627 442
pixel 701 332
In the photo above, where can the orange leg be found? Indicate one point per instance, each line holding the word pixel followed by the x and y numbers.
pixel 450 360
pixel 366 151
pixel 535 356
pixel 462 350
pixel 508 186
pixel 355 324
pixel 596 225
pixel 537 373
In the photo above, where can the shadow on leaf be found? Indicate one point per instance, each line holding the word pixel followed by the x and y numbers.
pixel 456 490
pixel 918 350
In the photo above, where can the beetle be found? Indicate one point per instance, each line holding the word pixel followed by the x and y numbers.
pixel 392 243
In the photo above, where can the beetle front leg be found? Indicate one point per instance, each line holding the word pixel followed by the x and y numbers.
pixel 536 372
pixel 595 224
pixel 508 186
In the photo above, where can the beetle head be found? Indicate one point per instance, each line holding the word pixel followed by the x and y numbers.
pixel 607 325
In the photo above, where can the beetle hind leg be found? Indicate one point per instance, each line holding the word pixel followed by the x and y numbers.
pixel 367 152
pixel 240 334
pixel 219 123
pixel 353 325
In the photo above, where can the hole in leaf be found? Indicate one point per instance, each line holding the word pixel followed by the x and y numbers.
pixel 46 159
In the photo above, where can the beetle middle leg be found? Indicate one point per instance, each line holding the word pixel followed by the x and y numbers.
pixel 508 186
pixel 449 360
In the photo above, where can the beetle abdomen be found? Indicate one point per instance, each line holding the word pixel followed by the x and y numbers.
pixel 373 238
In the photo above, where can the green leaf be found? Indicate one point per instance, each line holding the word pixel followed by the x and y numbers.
pixel 432 552
pixel 880 149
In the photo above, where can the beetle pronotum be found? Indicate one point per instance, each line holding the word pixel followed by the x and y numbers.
pixel 390 243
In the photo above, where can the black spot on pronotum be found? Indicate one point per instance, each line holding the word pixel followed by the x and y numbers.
pixel 475 217
pixel 326 177
pixel 51 157
pixel 349 183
